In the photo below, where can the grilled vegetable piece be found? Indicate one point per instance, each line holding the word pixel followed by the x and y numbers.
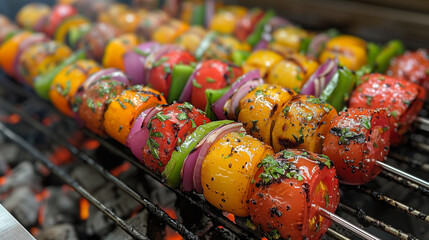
pixel 287 191
pixel 293 71
pixel 96 40
pixel 413 66
pixel 357 139
pixel 167 33
pixel 31 14
pixel 160 74
pixel 66 83
pixel 191 39
pixel 220 47
pixel 225 20
pixel 349 50
pixel 59 13
pixel 65 26
pixel 126 107
pixel 260 108
pixel 116 48
pixel 41 58
pixel 403 99
pixel 211 74
pixel 9 51
pixel 264 60
pixel 302 124
pixel 167 130
pixel 228 169
pixel 93 97
pixel 290 37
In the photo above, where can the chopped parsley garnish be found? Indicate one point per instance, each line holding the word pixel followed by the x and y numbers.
pixel 99 104
pixel 287 154
pixel 122 104
pixel 194 125
pixel 368 99
pixel 326 200
pixel 394 114
pixel 274 235
pixel 309 117
pixel 161 117
pixel 210 80
pixel 126 100
pixel 286 109
pixel 160 62
pixel 141 52
pixel 406 102
pixel 366 122
pixel 157 134
pixel 182 116
pixel 314 100
pixel 66 90
pixel 90 104
pixel 259 92
pixel 167 68
pixel 186 105
pixel 144 99
pixel 196 84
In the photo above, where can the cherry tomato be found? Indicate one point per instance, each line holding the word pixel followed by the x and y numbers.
pixel 212 74
pixel 167 129
pixel 288 190
pixel 356 140
pixel 403 99
pixel 160 74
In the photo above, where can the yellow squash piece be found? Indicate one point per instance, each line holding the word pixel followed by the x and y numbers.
pixel 167 33
pixel 225 20
pixel 260 108
pixel 69 23
pixel 302 124
pixel 293 71
pixel 228 169
pixel 349 50
pixel 290 37
pixel 263 60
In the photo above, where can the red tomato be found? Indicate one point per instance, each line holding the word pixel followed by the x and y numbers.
pixel 58 14
pixel 413 66
pixel 357 139
pixel 160 74
pixel 403 99
pixel 287 192
pixel 212 74
pixel 245 25
pixel 168 129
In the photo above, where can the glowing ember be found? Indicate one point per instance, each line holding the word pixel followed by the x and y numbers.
pixel 61 156
pixel 84 209
pixel 120 169
pixel 91 144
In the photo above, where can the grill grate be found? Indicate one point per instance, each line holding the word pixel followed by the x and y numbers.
pixel 239 228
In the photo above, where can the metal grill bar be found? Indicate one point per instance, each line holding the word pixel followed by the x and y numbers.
pixel 71 182
pixel 414 163
pixel 360 214
pixel 387 200
pixel 405 182
pixel 152 208
pixel 336 235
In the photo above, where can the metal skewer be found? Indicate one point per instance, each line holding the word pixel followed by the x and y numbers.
pixel 423 121
pixel 344 223
pixel 403 174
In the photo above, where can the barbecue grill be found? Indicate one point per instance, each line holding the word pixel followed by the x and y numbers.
pixel 390 207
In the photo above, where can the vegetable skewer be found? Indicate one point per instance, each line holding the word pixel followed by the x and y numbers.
pixel 143 101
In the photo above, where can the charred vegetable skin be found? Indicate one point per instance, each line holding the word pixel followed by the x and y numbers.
pixel 356 140
pixel 167 129
pixel 287 191
pixel 401 98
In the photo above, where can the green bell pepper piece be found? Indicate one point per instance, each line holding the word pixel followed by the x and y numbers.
pixel 212 95
pixel 239 57
pixel 76 33
pixel 392 49
pixel 338 90
pixel 43 83
pixel 204 45
pixel 303 48
pixel 256 35
pixel 198 15
pixel 179 77
pixel 172 170
pixel 332 32
pixel 373 51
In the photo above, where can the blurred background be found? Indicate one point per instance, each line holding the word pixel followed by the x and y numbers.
pixel 374 20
